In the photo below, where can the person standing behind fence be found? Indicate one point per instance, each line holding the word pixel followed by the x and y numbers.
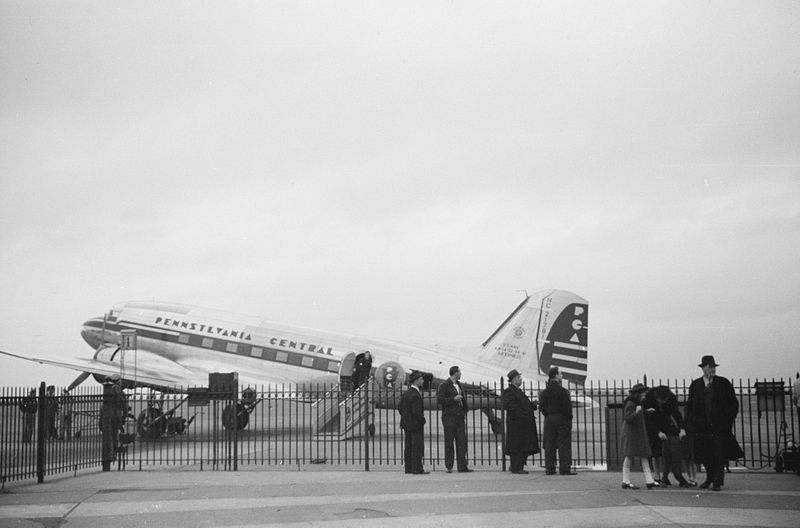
pixel 450 396
pixel 50 412
pixel 712 408
pixel 634 439
pixel 412 421
pixel 112 416
pixel 66 416
pixel 361 369
pixel 796 395
pixel 556 406
pixel 796 400
pixel 522 439
pixel 28 406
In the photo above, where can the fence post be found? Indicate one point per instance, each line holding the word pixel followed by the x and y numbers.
pixel 502 425
pixel 365 426
pixel 40 435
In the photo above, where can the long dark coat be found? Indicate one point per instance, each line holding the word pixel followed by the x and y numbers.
pixel 522 438
pixel 634 442
pixel 412 414
pixel 714 421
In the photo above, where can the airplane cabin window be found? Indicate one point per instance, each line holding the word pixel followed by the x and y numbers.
pixel 231 347
pixel 256 352
pixel 183 338
pixel 208 343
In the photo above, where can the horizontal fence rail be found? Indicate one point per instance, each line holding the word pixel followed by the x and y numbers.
pixel 293 426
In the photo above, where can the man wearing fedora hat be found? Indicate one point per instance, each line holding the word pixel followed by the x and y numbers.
pixel 522 439
pixel 711 408
pixel 412 421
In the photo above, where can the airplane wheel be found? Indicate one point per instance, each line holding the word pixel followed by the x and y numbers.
pixel 151 423
pixel 238 420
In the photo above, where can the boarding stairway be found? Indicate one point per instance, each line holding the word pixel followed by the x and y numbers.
pixel 343 414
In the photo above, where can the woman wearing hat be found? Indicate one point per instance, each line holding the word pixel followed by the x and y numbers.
pixel 634 438
pixel 522 439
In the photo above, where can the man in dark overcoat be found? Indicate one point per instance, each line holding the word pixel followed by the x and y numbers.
pixel 522 439
pixel 112 418
pixel 29 405
pixel 412 421
pixel 451 397
pixel 712 408
pixel 556 406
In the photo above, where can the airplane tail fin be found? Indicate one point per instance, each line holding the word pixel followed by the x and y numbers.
pixel 548 329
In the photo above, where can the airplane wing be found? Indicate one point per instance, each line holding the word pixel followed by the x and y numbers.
pixel 144 368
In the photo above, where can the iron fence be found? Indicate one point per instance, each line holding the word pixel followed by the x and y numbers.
pixel 295 426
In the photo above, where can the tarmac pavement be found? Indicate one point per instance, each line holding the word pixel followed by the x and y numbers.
pixel 386 497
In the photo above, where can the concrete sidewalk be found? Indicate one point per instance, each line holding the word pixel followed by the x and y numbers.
pixel 389 498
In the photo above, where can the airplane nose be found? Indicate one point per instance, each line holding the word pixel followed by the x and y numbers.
pixel 92 332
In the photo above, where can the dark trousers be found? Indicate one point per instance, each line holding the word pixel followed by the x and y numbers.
pixel 518 461
pixel 558 437
pixel 672 456
pixel 413 451
pixel 455 432
pixel 109 426
pixel 28 426
pixel 715 465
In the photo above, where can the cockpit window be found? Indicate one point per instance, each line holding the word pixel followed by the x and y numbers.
pixel 112 315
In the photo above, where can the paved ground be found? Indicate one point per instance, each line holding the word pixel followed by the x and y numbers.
pixel 389 498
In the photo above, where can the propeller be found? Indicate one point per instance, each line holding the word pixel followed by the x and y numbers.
pixel 80 379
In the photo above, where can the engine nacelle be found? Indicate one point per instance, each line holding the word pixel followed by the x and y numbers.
pixel 110 354
pixel 390 375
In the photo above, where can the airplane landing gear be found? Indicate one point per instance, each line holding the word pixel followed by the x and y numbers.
pixel 235 419
pixel 151 423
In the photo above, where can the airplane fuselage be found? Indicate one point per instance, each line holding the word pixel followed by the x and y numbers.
pixel 185 343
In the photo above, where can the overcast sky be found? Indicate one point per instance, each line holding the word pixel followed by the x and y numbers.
pixel 406 170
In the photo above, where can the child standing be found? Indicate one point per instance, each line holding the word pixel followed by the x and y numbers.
pixel 634 438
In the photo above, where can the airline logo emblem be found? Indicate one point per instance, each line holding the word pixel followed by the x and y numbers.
pixel 565 345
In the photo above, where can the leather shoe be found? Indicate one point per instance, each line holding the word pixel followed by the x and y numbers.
pixel 705 484
pixel 550 472
pixel 520 472
pixel 568 473
pixel 449 470
pixel 688 484
pixel 628 485
pixel 715 487
pixel 653 485
pixel 466 470
pixel 422 472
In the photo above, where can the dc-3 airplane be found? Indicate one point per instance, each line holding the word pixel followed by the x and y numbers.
pixel 178 346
